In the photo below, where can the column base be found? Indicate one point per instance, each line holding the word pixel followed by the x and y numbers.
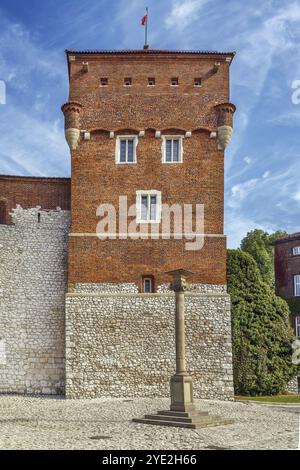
pixel 181 386
pixel 192 420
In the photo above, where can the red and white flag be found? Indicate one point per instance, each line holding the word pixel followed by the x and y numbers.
pixel 144 20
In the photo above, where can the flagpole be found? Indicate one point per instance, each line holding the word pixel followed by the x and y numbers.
pixel 146 46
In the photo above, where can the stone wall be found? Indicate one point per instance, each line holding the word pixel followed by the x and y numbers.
pixel 32 294
pixel 122 343
pixel 32 191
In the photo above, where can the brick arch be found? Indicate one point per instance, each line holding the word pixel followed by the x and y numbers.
pixel 3 211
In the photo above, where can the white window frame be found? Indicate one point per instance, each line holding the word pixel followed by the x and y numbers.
pixel 296 250
pixel 297 326
pixel 297 285
pixel 151 285
pixel 149 193
pixel 164 148
pixel 118 148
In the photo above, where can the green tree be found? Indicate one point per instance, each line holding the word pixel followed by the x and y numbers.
pixel 262 334
pixel 259 244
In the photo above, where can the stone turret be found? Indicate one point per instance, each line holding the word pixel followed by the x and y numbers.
pixel 71 111
pixel 225 113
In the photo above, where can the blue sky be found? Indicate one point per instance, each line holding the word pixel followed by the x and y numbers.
pixel 263 159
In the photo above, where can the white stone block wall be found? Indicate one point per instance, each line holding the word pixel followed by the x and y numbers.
pixel 32 296
pixel 122 343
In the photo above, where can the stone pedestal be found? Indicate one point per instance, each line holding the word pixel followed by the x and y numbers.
pixel 181 393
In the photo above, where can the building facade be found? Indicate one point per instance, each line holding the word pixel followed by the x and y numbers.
pixel 287 274
pixel 147 132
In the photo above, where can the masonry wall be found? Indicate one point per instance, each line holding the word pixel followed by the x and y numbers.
pixel 286 265
pixel 29 191
pixel 32 297
pixel 122 343
pixel 97 179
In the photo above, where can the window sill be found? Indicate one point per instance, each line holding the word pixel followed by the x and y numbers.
pixel 144 222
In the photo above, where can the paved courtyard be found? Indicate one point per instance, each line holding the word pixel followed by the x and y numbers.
pixel 54 423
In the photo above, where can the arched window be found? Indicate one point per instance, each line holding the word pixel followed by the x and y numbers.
pixel 3 211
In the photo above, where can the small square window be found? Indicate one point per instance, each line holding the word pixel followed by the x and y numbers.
pixel 197 82
pixel 148 206
pixel 296 250
pixel 127 81
pixel 103 81
pixel 151 81
pixel 174 81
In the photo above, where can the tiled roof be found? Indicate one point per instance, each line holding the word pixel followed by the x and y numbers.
pixel 147 51
pixel 288 238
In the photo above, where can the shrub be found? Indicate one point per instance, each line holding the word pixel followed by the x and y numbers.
pixel 262 334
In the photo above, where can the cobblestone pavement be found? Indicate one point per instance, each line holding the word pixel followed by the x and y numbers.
pixel 55 423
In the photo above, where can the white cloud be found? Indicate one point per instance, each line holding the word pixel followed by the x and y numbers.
pixel 183 13
pixel 296 196
pixel 32 136
pixel 247 160
pixel 237 228
pixel 287 118
pixel 240 191
pixel 266 174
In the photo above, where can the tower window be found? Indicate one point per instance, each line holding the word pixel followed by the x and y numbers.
pixel 296 250
pixel 174 81
pixel 151 81
pixel 172 149
pixel 148 284
pixel 197 82
pixel 297 285
pixel 126 149
pixel 148 206
pixel 103 81
pixel 127 81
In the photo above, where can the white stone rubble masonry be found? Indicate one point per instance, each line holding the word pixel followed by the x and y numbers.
pixel 32 297
pixel 122 343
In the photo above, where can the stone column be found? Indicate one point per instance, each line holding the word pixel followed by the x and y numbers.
pixel 181 383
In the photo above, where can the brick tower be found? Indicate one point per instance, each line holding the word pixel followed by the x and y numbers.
pixel 151 127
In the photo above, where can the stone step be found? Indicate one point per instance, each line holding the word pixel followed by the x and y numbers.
pixel 195 425
pixel 183 414
pixel 180 419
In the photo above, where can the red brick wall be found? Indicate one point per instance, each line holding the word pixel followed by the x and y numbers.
pixel 48 193
pixel 97 179
pixel 286 265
